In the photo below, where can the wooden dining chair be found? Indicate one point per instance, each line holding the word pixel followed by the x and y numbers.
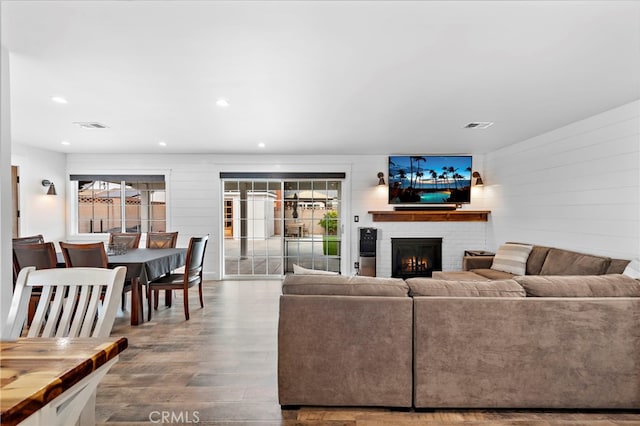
pixel 91 255
pixel 41 256
pixel 160 240
pixel 192 274
pixel 33 239
pixel 130 240
pixel 75 302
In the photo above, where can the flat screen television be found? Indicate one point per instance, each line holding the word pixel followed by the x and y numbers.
pixel 429 179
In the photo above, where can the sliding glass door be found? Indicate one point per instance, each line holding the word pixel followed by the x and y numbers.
pixel 270 225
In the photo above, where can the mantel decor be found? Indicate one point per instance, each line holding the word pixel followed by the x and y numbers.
pixel 431 216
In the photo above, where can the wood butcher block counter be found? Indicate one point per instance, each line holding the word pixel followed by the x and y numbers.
pixel 40 375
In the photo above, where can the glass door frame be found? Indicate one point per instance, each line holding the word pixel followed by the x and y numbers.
pixel 281 177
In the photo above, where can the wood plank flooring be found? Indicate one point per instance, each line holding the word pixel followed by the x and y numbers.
pixel 220 368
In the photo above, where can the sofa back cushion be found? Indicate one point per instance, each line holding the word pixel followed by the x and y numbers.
pixel 340 285
pixel 492 274
pixel 445 288
pixel 617 266
pixel 512 258
pixel 612 285
pixel 565 262
pixel 536 259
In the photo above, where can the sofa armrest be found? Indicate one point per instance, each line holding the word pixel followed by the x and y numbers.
pixel 476 262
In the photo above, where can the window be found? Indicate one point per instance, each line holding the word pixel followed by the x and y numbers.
pixel 120 203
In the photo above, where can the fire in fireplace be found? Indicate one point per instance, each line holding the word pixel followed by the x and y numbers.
pixel 415 257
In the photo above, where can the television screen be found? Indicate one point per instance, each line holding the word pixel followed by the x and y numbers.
pixel 429 179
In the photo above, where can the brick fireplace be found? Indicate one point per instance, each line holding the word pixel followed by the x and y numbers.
pixel 415 257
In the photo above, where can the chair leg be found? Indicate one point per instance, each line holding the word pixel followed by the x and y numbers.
pixel 168 295
pixel 200 291
pixel 156 296
pixel 149 296
pixel 186 304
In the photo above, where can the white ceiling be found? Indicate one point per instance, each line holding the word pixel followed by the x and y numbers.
pixel 308 77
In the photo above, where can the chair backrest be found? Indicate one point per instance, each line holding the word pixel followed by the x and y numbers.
pixel 162 239
pixel 130 240
pixel 33 239
pixel 92 255
pixel 42 256
pixel 75 302
pixel 195 258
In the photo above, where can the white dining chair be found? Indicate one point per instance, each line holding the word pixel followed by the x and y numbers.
pixel 75 302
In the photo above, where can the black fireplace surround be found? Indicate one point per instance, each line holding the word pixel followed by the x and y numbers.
pixel 415 257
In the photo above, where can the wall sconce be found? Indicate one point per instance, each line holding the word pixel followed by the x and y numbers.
pixel 478 178
pixel 381 179
pixel 52 188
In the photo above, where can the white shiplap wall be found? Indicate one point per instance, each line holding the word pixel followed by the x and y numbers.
pixel 194 200
pixel 577 187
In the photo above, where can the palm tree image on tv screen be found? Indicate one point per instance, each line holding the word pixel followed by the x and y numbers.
pixel 430 179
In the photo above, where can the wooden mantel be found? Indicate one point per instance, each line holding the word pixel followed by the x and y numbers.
pixel 430 215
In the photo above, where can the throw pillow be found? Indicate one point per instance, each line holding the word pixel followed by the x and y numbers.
pixel 512 258
pixel 297 269
pixel 633 269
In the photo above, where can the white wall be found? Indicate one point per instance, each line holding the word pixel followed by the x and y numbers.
pixel 6 219
pixel 194 198
pixel 194 202
pixel 577 187
pixel 41 213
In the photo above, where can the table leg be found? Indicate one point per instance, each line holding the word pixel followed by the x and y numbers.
pixel 137 314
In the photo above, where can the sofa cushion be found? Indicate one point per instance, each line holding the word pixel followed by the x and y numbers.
pixel 617 266
pixel 446 288
pixel 612 285
pixel 339 285
pixel 633 269
pixel 536 259
pixel 565 262
pixel 512 258
pixel 458 276
pixel 492 274
pixel 297 269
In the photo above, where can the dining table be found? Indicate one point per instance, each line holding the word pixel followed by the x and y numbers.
pixel 143 266
pixel 53 381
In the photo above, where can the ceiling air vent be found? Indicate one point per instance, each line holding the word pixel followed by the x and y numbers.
pixel 90 125
pixel 479 125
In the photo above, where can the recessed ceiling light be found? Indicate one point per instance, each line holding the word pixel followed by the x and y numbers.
pixel 59 99
pixel 478 125
pixel 162 143
pixel 261 145
pixel 222 102
pixel 66 143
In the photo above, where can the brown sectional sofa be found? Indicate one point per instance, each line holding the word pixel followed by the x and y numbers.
pixel 542 261
pixel 522 342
